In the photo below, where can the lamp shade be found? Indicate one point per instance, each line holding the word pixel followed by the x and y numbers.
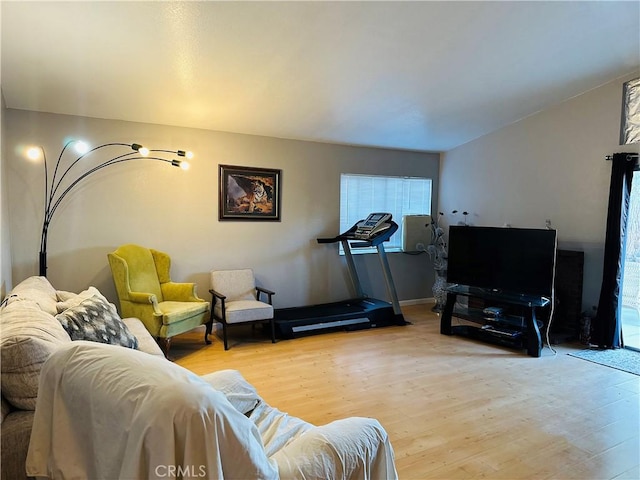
pixel 66 177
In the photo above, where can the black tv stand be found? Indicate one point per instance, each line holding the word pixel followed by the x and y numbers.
pixel 517 327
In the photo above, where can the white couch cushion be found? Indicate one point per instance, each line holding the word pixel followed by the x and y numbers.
pixel 37 289
pixel 69 299
pixel 244 311
pixel 146 343
pixel 28 336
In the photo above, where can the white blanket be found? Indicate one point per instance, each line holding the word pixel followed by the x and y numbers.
pixel 351 448
pixel 107 412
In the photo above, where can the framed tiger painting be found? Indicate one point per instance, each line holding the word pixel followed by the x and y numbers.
pixel 249 193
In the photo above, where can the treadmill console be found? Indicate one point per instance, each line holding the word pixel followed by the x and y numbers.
pixel 372 226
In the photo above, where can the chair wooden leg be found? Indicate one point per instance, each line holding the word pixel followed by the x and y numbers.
pixel 207 332
pixel 224 336
pixel 165 345
pixel 273 331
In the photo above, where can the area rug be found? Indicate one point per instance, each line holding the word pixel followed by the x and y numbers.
pixel 620 358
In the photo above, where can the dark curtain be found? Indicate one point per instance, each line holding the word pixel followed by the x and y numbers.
pixel 607 326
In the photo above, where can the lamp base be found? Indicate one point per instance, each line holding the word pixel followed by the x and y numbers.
pixel 43 264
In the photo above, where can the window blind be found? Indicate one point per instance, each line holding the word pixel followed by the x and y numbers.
pixel 361 195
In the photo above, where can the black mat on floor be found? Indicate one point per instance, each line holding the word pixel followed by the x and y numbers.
pixel 620 358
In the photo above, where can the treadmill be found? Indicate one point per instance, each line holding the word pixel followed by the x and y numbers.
pixel 356 313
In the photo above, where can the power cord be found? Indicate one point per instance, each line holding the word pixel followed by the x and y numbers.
pixel 553 295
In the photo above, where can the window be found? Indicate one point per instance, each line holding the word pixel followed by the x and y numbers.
pixel 361 195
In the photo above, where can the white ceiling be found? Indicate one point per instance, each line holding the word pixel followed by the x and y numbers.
pixel 412 75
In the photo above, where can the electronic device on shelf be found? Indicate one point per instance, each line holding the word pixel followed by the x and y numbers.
pixel 501 331
pixel 493 312
pixel 372 225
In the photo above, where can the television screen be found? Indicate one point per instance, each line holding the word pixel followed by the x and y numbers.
pixel 516 260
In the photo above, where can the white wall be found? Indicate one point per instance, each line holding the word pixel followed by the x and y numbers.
pixel 177 212
pixel 548 166
pixel 5 246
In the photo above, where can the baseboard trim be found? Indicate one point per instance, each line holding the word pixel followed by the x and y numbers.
pixel 416 301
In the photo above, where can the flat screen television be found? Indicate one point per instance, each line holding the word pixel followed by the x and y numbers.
pixel 510 260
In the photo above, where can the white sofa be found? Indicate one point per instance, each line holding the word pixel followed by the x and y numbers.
pixel 29 334
pixel 107 412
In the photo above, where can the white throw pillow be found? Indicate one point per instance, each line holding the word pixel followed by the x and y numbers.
pixel 69 299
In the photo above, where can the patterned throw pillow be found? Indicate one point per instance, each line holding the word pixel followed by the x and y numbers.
pixel 95 320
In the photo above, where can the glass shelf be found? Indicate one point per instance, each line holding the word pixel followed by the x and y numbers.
pixel 510 297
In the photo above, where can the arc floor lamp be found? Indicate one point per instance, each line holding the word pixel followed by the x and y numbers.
pixel 63 181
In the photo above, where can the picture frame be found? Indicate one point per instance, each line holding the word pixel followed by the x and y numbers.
pixel 249 193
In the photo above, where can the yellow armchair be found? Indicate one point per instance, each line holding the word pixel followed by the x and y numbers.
pixel 145 291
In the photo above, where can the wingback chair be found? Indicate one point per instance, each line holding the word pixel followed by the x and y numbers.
pixel 235 299
pixel 145 290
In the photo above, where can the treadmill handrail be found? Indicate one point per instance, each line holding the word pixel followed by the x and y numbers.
pixel 383 236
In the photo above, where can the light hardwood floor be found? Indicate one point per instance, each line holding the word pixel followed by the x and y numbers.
pixel 454 408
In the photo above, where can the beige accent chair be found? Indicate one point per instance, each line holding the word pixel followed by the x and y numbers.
pixel 235 299
pixel 145 290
